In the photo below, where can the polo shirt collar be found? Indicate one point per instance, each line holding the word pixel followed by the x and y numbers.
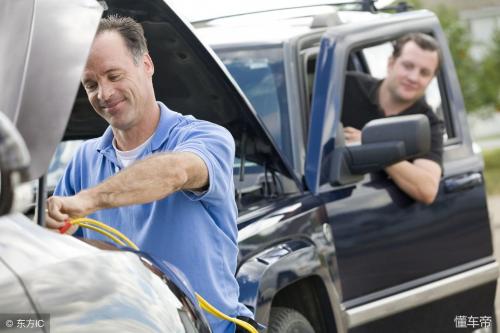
pixel 105 145
pixel 168 120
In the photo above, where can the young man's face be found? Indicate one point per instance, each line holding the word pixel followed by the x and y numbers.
pixel 117 88
pixel 409 74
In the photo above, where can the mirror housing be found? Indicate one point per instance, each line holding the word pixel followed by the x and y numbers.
pixel 385 141
pixel 413 131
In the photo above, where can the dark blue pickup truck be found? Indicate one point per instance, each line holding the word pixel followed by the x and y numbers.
pixel 327 242
pixel 351 252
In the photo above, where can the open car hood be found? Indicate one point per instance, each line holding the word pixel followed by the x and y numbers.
pixel 43 48
pixel 189 79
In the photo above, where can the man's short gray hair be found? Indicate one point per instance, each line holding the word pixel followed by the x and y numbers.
pixel 131 31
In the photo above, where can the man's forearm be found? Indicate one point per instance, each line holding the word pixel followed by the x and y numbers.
pixel 420 180
pixel 148 180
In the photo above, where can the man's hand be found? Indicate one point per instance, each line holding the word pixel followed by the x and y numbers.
pixel 352 135
pixel 61 209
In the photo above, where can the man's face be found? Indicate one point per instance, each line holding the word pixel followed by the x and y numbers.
pixel 117 88
pixel 409 75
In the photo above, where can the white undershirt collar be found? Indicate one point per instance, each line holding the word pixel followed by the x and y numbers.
pixel 125 158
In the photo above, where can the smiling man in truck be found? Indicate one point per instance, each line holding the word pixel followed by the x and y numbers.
pixel 411 68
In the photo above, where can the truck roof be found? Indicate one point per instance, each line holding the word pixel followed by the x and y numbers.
pixel 277 26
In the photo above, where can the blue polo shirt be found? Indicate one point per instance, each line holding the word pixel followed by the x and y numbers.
pixel 195 232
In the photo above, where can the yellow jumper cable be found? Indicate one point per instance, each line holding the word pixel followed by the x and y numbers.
pixel 105 230
pixel 213 311
pixel 123 240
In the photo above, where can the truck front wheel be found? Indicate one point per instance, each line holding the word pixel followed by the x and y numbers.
pixel 285 320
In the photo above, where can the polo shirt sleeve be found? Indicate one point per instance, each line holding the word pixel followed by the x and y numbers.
pixel 437 129
pixel 215 146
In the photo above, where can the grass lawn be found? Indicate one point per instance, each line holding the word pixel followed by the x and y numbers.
pixel 492 170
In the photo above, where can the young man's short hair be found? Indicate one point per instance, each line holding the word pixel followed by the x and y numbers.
pixel 424 41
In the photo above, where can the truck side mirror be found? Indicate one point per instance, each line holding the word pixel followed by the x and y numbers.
pixel 413 131
pixel 384 142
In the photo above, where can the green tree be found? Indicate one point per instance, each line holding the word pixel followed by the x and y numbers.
pixel 460 42
pixel 489 74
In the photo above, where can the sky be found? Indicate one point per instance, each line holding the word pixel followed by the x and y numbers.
pixel 194 10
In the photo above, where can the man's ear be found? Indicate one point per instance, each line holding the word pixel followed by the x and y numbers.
pixel 148 64
pixel 390 63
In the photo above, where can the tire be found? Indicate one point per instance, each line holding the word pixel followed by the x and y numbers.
pixel 285 320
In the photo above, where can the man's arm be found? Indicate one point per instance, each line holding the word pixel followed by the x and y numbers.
pixel 144 181
pixel 419 179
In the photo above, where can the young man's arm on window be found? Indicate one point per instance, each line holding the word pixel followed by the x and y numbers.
pixel 419 179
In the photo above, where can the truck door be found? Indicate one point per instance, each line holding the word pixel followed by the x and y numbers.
pixel 398 259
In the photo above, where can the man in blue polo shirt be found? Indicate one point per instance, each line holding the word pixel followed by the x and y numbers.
pixel 161 178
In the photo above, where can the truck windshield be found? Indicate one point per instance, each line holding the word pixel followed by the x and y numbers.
pixel 260 74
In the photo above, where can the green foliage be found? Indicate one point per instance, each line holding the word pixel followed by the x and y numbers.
pixel 480 81
pixel 459 42
pixel 489 75
pixel 492 170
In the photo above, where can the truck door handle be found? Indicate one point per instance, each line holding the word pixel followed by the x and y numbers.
pixel 463 182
